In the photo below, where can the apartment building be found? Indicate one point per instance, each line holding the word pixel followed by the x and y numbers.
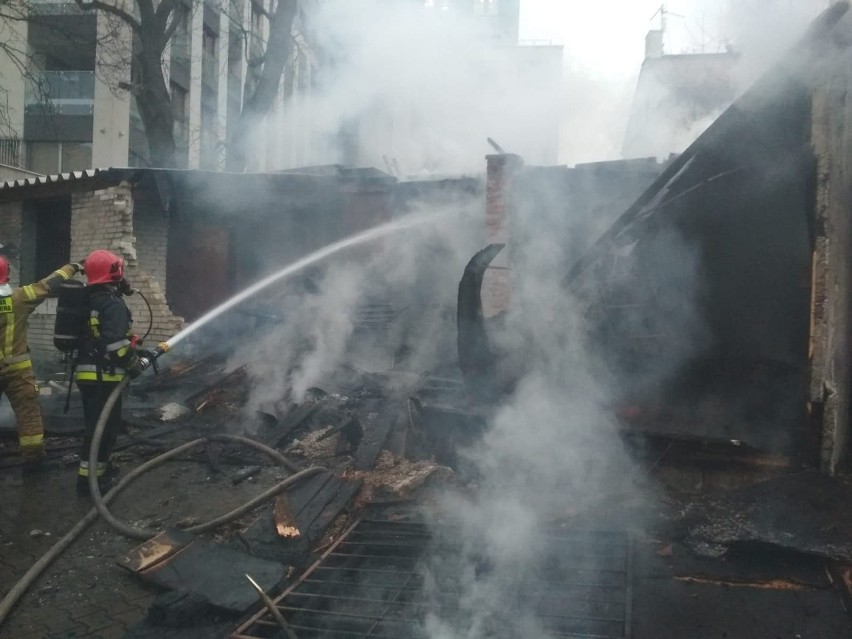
pixel 72 109
pixel 498 19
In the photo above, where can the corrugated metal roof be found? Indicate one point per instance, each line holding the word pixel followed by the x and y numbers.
pixel 49 179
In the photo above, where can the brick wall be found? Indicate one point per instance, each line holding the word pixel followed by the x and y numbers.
pixel 496 283
pixel 148 274
pixel 105 219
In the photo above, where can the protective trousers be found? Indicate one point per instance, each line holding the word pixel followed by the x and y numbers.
pixel 22 390
pixel 94 397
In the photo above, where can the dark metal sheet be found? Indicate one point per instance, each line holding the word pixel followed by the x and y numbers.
pixel 215 572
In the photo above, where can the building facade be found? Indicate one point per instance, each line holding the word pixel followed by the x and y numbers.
pixel 71 107
pixel 677 97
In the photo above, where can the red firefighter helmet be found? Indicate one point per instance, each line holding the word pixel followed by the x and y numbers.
pixel 103 267
pixel 4 270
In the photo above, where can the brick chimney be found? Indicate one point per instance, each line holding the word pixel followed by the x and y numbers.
pixel 496 287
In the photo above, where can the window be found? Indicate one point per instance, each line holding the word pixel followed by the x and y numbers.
pixel 209 58
pixel 180 40
pixel 43 157
pixel 50 158
pixel 75 156
pixel 179 101
pixel 209 42
pixel 180 104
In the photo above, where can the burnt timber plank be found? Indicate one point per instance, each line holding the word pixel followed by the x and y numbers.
pixel 303 493
pixel 262 536
pixel 345 493
pixel 375 433
pixel 157 549
pixel 274 436
pixel 317 504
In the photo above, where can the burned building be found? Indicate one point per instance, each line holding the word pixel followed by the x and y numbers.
pixel 719 301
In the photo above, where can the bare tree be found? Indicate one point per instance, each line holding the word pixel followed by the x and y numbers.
pixel 263 79
pixel 140 59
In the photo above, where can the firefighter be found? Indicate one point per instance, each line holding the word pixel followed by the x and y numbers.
pixel 108 353
pixel 16 369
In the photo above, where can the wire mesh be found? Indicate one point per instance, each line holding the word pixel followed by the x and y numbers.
pixel 384 579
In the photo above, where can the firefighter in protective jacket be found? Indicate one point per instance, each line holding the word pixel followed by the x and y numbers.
pixel 16 369
pixel 107 354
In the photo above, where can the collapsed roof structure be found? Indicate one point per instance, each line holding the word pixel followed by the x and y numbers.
pixel 720 298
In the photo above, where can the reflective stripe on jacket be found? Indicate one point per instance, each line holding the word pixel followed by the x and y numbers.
pixel 15 310
pixel 106 352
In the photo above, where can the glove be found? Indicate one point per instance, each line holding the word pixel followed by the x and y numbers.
pixel 78 266
pixel 134 370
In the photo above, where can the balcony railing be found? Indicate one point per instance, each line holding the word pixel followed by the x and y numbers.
pixel 10 152
pixel 61 92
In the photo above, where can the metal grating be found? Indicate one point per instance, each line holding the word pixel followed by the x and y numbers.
pixel 381 579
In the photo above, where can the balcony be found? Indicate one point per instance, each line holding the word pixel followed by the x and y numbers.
pixel 61 93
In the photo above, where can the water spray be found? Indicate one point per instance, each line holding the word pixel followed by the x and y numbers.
pixel 336 247
pixel 149 359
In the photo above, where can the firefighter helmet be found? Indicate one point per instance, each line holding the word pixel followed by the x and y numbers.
pixel 4 270
pixel 103 267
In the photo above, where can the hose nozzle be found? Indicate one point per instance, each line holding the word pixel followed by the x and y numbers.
pixel 151 357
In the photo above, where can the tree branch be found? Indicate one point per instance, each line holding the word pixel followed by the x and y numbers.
pixel 171 28
pixel 121 14
pixel 258 6
pixel 165 9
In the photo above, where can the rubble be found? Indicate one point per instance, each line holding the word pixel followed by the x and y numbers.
pixel 804 512
pixel 398 478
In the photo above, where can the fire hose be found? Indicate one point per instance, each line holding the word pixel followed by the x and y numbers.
pixel 101 501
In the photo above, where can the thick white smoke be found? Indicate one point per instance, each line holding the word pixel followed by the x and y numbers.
pixel 412 273
pixel 422 88
pixel 414 86
pixel 416 90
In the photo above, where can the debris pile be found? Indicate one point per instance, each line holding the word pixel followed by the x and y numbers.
pixel 368 431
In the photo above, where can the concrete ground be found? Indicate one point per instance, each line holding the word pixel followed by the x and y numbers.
pixel 85 594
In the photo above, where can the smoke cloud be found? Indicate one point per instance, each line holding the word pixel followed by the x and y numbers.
pixel 421 89
pixel 411 276
pixel 416 90
pixel 417 87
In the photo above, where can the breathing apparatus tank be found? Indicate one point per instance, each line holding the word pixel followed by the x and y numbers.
pixel 72 316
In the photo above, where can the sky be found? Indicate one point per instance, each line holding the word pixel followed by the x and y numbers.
pixel 604 45
pixel 608 37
